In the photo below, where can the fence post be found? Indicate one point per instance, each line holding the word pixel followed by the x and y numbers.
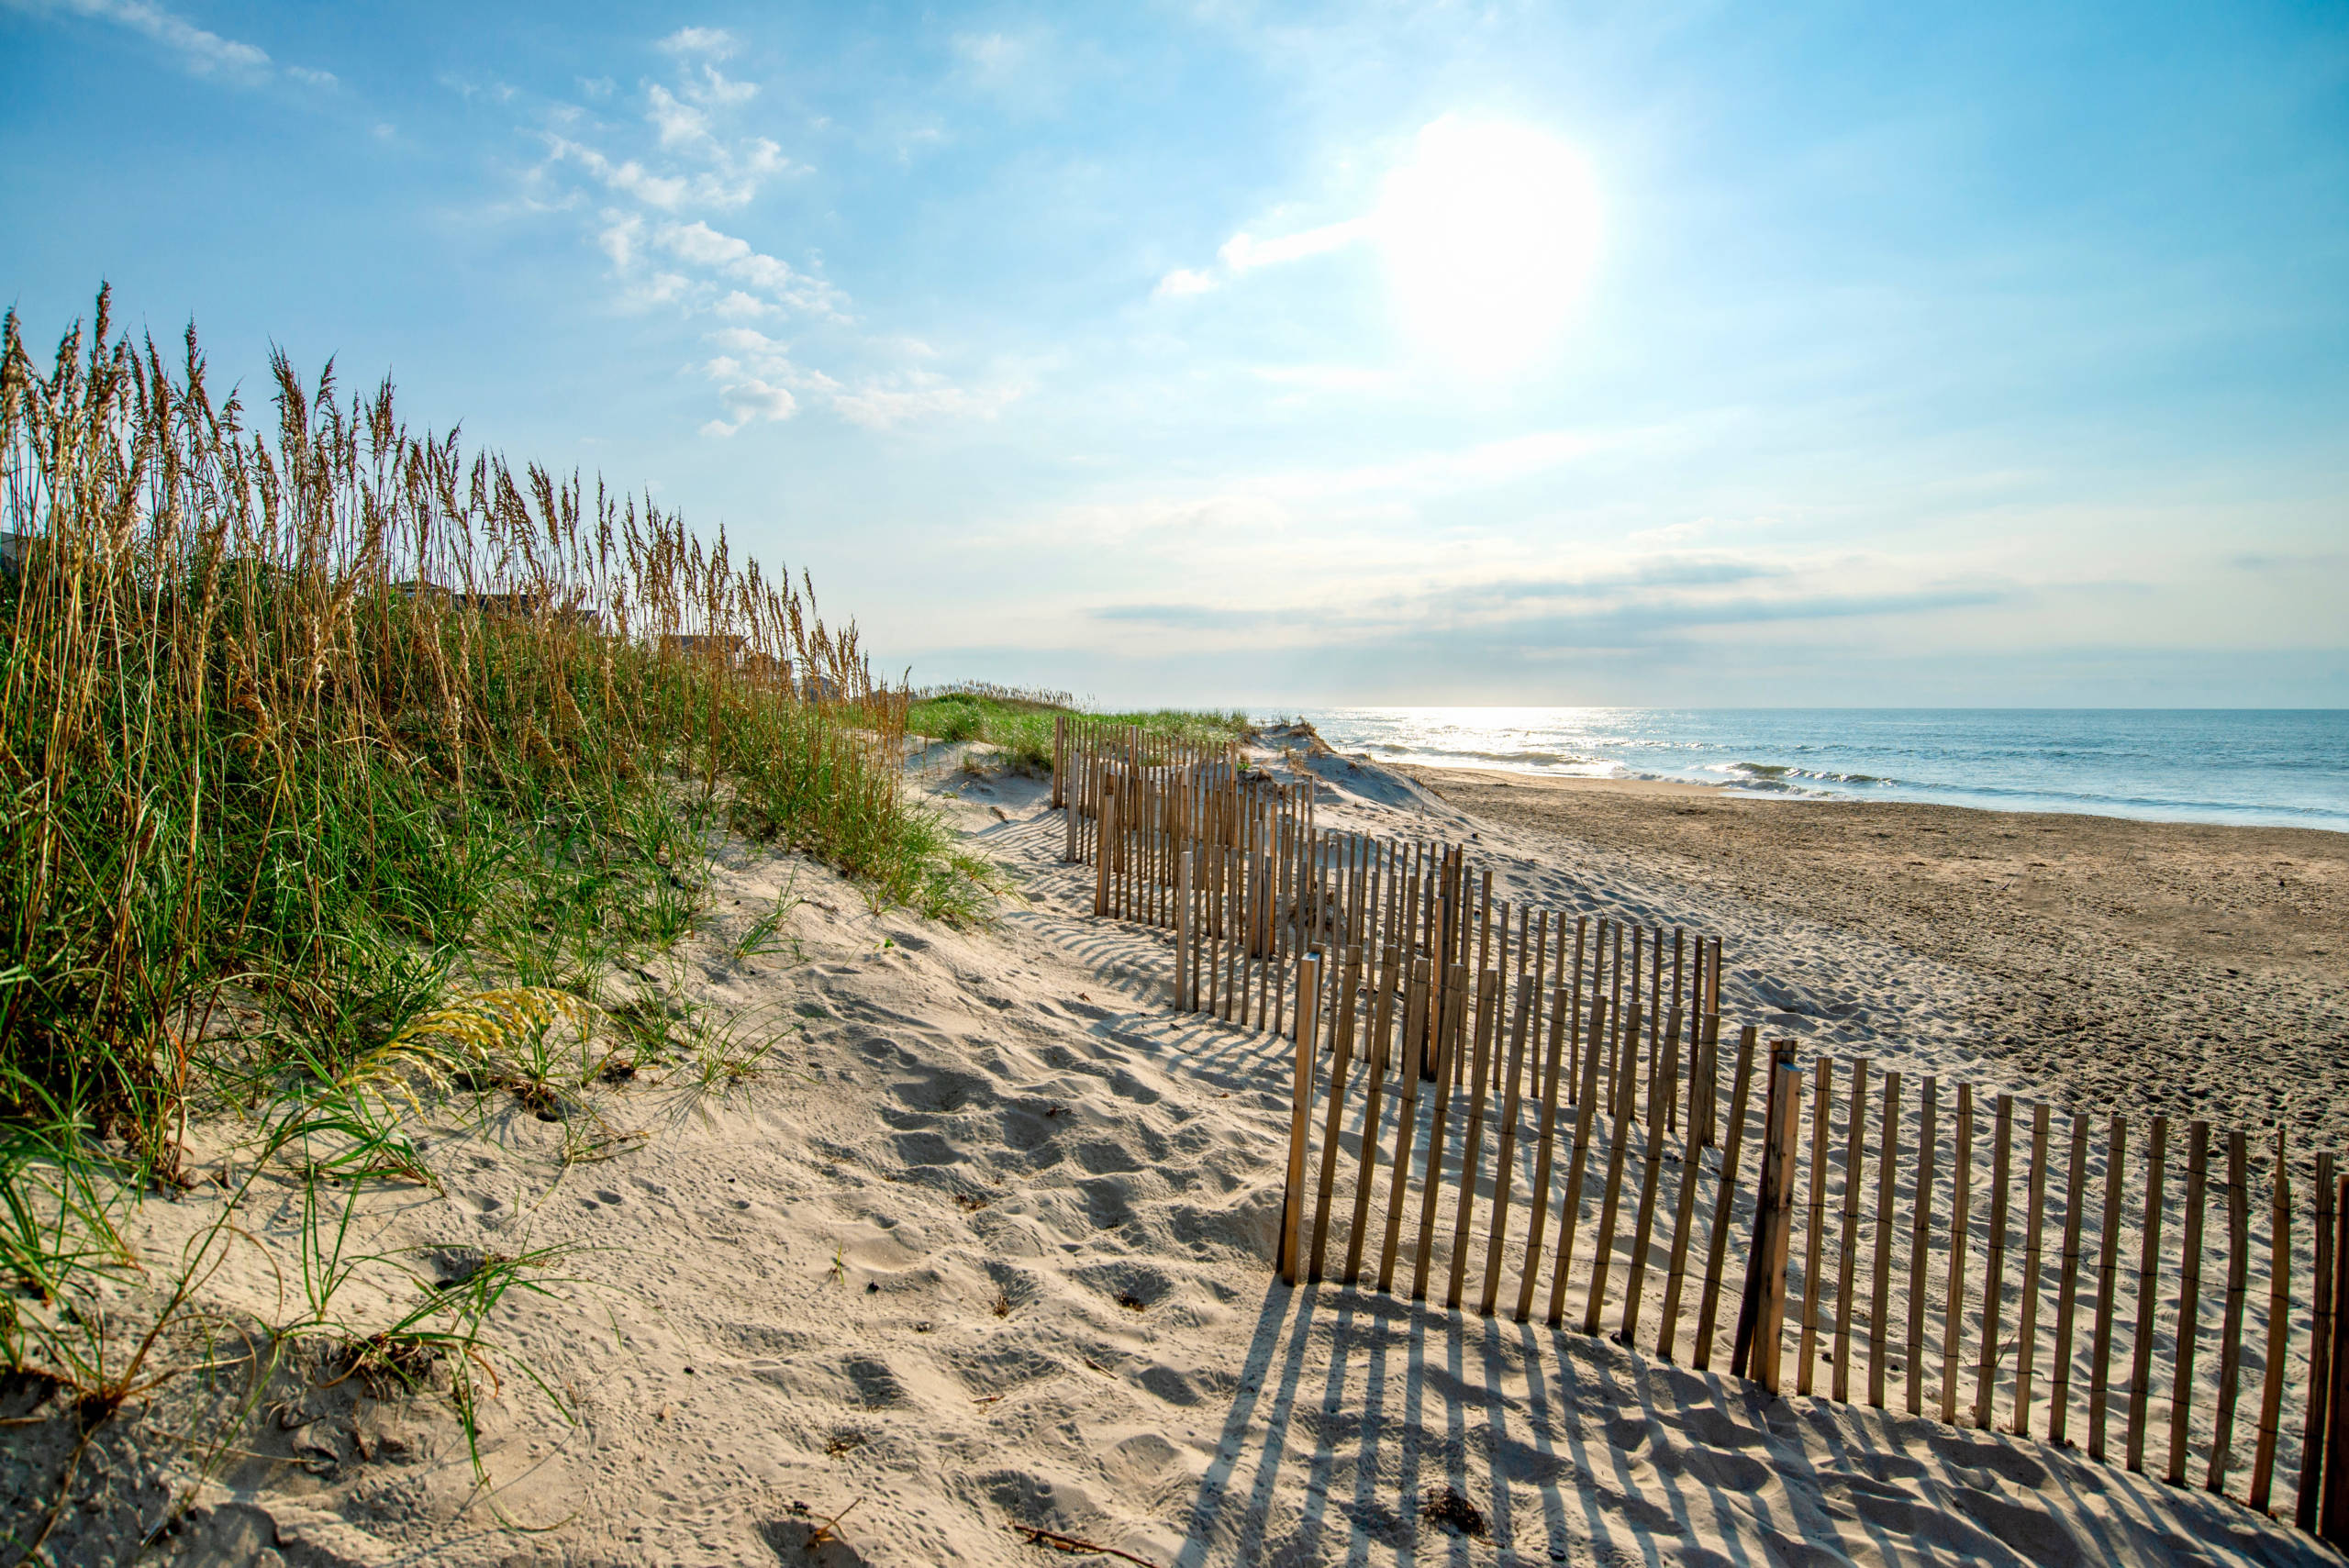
pixel 1101 852
pixel 1060 759
pixel 1724 1201
pixel 2320 1353
pixel 1184 936
pixel 1761 1317
pixel 2333 1519
pixel 1342 1017
pixel 2280 1328
pixel 1299 1115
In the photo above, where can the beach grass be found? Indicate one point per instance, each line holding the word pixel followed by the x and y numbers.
pixel 1022 726
pixel 310 723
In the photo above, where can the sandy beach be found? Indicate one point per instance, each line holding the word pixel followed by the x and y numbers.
pixel 983 1246
pixel 2100 962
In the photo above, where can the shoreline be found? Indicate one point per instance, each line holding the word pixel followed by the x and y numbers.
pixel 1505 778
pixel 2185 968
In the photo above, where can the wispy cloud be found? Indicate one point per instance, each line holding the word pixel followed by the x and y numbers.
pixel 626 176
pixel 1634 608
pixel 715 43
pixel 760 382
pixel 1023 73
pixel 879 402
pixel 993 60
pixel 199 51
pixel 668 182
pixel 1244 253
pixel 1185 281
pixel 698 245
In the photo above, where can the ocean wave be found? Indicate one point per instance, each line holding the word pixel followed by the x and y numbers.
pixel 1776 772
pixel 1522 759
pixel 2281 768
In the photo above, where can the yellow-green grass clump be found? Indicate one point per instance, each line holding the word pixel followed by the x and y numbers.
pixel 1022 726
pixel 320 715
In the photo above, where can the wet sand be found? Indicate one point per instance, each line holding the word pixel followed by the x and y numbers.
pixel 2144 966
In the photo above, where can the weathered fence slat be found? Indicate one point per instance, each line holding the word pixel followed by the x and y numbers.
pixel 1488 1007
pixel 1382 1022
pixel 1504 1164
pixel 2108 1270
pixel 1562 1026
pixel 2231 1322
pixel 1255 898
pixel 1887 1168
pixel 2140 1363
pixel 1961 1206
pixel 1724 1203
pixel 2321 1349
pixel 1341 1057
pixel 2279 1329
pixel 1300 1117
pixel 1920 1236
pixel 1602 1252
pixel 1570 1206
pixel 1847 1239
pixel 2190 1299
pixel 1986 1376
pixel 2067 1284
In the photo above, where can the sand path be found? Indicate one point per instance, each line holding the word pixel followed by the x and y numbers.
pixel 989 1245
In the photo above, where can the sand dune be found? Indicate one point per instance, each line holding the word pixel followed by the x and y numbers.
pixel 987 1244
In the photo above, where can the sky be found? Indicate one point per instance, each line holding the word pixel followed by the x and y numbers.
pixel 1670 354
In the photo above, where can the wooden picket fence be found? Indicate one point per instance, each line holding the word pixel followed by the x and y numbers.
pixel 1866 1244
pixel 1230 859
pixel 1551 1092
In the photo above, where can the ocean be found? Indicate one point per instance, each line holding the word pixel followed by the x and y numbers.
pixel 2275 767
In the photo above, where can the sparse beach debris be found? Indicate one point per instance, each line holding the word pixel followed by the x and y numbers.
pixel 1446 1507
pixel 1038 1536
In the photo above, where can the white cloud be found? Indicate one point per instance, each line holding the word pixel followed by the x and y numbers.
pixel 654 226
pixel 879 402
pixel 1244 252
pixel 685 124
pixel 759 381
pixel 629 177
pixel 715 42
pixel 680 124
pixel 717 89
pixel 731 256
pixel 992 57
pixel 201 51
pixel 1183 282
pixel 660 288
pixel 619 236
pixel 748 399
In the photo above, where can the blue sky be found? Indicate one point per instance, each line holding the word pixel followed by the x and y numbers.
pixel 1660 354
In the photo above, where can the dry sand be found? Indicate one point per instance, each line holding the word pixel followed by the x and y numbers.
pixel 2105 965
pixel 987 1243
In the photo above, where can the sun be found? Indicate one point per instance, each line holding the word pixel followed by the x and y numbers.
pixel 1490 235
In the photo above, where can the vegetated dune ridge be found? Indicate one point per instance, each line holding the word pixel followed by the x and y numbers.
pixel 989 1245
pixel 2102 963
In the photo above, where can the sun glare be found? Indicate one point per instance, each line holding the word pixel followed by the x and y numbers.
pixel 1490 233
